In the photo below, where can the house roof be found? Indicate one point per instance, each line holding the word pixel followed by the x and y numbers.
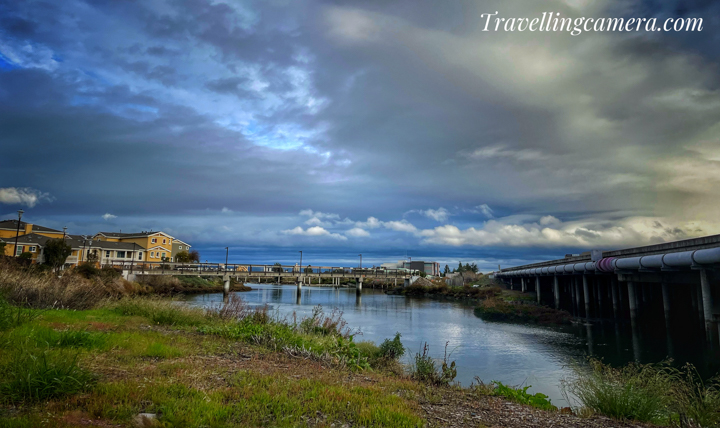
pixel 142 234
pixel 107 245
pixel 40 240
pixel 177 241
pixel 13 225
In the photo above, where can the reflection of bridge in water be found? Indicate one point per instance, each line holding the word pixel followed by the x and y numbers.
pixel 678 281
pixel 248 273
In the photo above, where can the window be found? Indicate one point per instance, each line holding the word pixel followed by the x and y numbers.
pixel 18 250
pixel 140 255
pixel 180 247
pixel 163 256
pixel 33 249
pixel 164 241
pixel 154 240
pixel 107 253
pixel 152 254
pixel 121 254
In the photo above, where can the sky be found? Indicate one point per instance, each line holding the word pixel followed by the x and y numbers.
pixel 339 128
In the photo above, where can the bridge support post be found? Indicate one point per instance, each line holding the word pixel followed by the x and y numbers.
pixel 586 295
pixel 358 288
pixel 666 303
pixel 537 288
pixel 707 303
pixel 522 285
pixel 556 291
pixel 632 301
pixel 577 295
pixel 614 291
pixel 572 296
pixel 226 289
pixel 599 286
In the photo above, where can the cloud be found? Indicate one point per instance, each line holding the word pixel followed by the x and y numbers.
pixel 400 226
pixel 485 210
pixel 22 196
pixel 356 232
pixel 370 223
pixel 440 214
pixel 319 215
pixel 108 216
pixel 314 231
pixel 226 210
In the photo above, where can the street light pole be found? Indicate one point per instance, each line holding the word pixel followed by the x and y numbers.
pixel 300 261
pixel 64 231
pixel 17 233
pixel 227 252
pixel 360 260
pixel 132 258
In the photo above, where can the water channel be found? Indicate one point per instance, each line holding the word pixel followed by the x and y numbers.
pixel 514 354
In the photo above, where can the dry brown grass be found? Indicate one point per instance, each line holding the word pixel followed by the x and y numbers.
pixel 44 289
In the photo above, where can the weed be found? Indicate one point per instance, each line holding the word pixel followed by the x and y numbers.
pixel 392 349
pixel 35 375
pixel 13 316
pixel 163 312
pixel 520 395
pixel 425 369
pixel 70 338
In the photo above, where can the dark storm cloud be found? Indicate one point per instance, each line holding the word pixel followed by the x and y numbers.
pixel 163 113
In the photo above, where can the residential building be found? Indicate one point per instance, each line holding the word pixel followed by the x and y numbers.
pixel 150 246
pixel 9 229
pixel 177 246
pixel 34 244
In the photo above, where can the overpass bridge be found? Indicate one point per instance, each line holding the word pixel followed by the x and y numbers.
pixel 679 281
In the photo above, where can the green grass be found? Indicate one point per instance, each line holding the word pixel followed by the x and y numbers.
pixel 69 338
pixel 13 316
pixel 37 374
pixel 656 393
pixel 520 395
pixel 159 311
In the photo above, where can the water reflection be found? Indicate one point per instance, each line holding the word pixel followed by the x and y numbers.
pixel 511 353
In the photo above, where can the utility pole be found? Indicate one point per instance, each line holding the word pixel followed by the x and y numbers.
pixel 360 260
pixel 227 252
pixel 17 233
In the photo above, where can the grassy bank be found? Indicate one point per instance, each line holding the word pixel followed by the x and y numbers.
pixel 496 309
pixel 170 285
pixel 125 357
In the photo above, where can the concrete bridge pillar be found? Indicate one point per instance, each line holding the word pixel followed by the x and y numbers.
pixel 556 291
pixel 586 295
pixel 614 291
pixel 226 289
pixel 573 306
pixel 522 285
pixel 599 286
pixel 666 303
pixel 632 300
pixel 358 288
pixel 537 288
pixel 577 294
pixel 707 302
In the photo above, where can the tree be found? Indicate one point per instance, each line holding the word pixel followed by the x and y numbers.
pixel 474 268
pixel 460 267
pixel 56 252
pixel 446 270
pixel 277 267
pixel 182 257
pixel 25 256
pixel 308 269
pixel 194 256
pixel 2 248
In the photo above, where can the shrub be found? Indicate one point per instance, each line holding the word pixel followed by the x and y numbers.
pixel 35 375
pixel 520 395
pixel 425 370
pixel 87 270
pixel 392 349
pixel 641 392
pixel 321 324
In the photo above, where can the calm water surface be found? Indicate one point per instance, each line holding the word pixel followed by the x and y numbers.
pixel 511 353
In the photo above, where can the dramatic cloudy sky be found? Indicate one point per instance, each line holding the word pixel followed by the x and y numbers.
pixel 346 127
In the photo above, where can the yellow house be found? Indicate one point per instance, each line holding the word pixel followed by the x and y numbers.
pixel 9 229
pixel 154 246
pixel 34 244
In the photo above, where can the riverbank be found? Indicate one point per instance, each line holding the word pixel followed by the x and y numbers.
pixel 172 285
pixel 153 359
pixel 494 301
